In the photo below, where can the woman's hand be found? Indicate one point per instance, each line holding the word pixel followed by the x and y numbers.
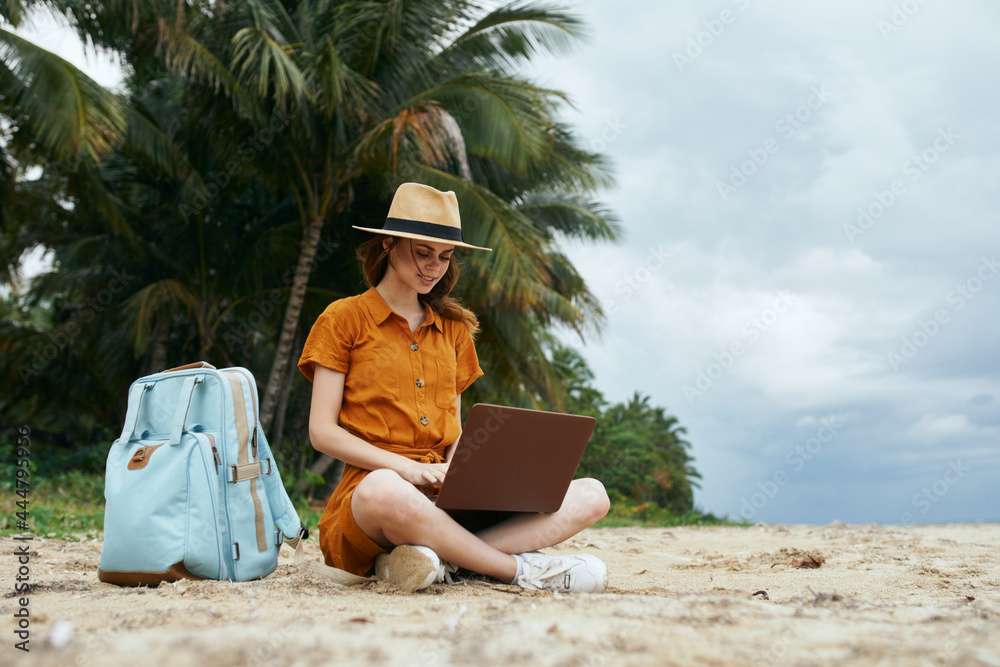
pixel 424 474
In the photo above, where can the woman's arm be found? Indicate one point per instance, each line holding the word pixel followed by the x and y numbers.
pixel 458 415
pixel 328 437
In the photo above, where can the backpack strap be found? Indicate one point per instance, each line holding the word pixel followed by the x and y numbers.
pixel 293 533
pixel 182 407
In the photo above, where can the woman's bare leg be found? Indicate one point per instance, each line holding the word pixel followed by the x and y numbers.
pixel 392 511
pixel 585 503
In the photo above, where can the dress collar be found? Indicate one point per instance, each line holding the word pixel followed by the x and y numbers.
pixel 380 310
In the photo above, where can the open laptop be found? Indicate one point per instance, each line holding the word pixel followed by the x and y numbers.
pixel 511 460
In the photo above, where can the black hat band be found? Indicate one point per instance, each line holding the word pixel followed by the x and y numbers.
pixel 443 232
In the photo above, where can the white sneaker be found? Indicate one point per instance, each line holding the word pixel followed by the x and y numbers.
pixel 411 567
pixel 580 573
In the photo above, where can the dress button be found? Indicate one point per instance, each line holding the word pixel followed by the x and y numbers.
pixel 424 420
pixel 413 346
pixel 420 382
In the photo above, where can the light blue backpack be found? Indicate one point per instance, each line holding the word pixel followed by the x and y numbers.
pixel 191 489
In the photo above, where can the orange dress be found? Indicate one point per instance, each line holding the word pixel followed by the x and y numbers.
pixel 399 394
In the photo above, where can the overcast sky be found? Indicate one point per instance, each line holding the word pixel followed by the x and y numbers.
pixel 811 271
pixel 810 277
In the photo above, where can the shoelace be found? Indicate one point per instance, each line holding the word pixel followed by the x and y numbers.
pixel 536 573
pixel 445 570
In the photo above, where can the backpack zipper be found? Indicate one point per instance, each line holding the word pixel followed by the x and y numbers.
pixel 223 568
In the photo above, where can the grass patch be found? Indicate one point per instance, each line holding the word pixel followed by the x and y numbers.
pixel 70 505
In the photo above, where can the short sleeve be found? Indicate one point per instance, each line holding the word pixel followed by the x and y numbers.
pixel 329 341
pixel 467 367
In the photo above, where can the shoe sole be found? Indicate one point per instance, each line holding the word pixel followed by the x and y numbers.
pixel 407 568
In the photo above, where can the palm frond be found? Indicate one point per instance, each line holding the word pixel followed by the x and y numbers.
pixel 12 11
pixel 188 57
pixel 574 216
pixel 339 88
pixel 161 299
pixel 502 118
pixel 65 111
pixel 514 32
pixel 148 141
pixel 263 54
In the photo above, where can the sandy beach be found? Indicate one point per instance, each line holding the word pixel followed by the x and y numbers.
pixel 774 595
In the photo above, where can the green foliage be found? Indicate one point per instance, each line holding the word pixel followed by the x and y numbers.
pixel 627 512
pixel 70 505
pixel 638 451
pixel 63 505
pixel 174 214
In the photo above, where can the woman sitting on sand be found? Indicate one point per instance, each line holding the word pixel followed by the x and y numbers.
pixel 388 367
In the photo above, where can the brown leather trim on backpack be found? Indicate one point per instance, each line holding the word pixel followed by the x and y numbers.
pixel 243 435
pixel 173 573
pixel 193 364
pixel 258 511
pixel 141 457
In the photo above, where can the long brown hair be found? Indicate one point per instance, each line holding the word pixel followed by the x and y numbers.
pixel 374 261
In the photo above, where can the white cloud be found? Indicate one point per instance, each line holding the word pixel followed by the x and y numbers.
pixel 934 428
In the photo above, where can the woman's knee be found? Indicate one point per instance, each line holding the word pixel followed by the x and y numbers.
pixel 386 496
pixel 591 498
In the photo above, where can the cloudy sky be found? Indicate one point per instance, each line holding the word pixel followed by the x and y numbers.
pixel 811 270
pixel 810 276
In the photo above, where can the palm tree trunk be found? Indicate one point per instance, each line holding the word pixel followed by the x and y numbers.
pixel 279 426
pixel 307 255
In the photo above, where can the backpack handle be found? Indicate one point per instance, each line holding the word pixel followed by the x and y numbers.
pixel 132 414
pixel 193 364
pixel 182 407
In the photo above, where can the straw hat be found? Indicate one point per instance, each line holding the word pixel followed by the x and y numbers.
pixel 419 211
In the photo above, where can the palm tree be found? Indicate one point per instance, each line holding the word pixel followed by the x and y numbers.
pixel 357 96
pixel 55 117
pixel 52 107
pixel 303 116
pixel 50 113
